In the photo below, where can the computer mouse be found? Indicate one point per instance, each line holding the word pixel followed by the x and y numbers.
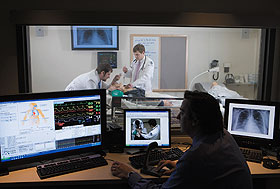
pixel 270 164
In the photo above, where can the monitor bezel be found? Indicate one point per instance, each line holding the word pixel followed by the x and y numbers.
pixel 254 142
pixel 48 95
pixel 158 110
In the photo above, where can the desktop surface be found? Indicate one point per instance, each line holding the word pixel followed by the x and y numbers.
pixel 101 175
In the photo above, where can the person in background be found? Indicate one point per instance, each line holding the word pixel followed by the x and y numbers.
pixel 141 70
pixel 94 79
pixel 213 161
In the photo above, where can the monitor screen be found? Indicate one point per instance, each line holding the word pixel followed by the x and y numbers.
pixel 107 57
pixel 33 125
pixel 255 120
pixel 143 126
pixel 95 37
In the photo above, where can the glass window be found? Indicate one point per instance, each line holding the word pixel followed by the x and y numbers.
pixel 221 61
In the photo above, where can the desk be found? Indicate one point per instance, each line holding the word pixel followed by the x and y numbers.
pixel 100 175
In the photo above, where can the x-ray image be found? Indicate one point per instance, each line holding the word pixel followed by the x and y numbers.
pixel 94 36
pixel 250 120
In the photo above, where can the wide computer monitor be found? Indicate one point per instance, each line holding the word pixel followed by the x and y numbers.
pixel 39 126
pixel 143 126
pixel 252 123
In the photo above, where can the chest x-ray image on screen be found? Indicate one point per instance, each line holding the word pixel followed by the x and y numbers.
pixel 250 120
pixel 94 37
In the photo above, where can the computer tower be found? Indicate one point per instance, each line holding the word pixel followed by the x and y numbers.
pixel 114 141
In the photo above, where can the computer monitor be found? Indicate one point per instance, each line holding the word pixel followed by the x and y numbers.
pixel 107 57
pixel 252 123
pixel 39 126
pixel 143 126
pixel 95 37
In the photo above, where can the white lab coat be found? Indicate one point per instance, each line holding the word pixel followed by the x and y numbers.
pixel 145 75
pixel 153 134
pixel 142 128
pixel 86 81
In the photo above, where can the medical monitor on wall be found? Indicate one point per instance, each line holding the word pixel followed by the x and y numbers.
pixel 252 123
pixel 107 57
pixel 143 126
pixel 41 126
pixel 95 37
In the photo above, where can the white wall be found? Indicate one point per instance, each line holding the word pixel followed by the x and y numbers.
pixel 54 64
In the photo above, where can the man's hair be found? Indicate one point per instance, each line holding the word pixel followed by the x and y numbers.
pixel 204 110
pixel 106 67
pixel 137 122
pixel 139 47
pixel 152 122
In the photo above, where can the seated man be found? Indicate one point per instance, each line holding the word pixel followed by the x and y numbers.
pixel 213 161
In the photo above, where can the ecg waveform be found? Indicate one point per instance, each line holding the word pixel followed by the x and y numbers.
pixel 77 113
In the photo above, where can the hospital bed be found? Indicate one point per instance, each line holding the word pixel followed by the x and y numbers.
pixel 219 91
pixel 151 101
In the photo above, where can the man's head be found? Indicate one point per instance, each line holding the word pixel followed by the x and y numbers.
pixel 104 71
pixel 152 122
pixel 137 123
pixel 200 114
pixel 139 51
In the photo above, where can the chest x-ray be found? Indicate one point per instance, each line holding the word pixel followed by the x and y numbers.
pixel 94 36
pixel 250 120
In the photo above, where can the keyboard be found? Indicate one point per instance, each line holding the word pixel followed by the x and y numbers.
pixel 253 155
pixel 155 157
pixel 71 165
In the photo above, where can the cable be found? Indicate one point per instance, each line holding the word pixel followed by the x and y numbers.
pixel 215 78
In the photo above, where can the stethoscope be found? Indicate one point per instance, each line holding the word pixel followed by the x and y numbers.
pixel 142 67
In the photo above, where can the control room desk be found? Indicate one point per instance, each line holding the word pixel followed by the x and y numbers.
pixel 100 175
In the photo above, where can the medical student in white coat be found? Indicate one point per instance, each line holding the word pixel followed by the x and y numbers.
pixel 138 128
pixel 141 70
pixel 94 79
pixel 154 133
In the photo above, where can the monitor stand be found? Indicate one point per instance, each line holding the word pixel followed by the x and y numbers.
pixel 134 151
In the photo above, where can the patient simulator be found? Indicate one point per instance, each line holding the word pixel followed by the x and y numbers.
pixel 219 91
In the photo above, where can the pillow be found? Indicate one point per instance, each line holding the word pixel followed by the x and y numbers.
pixel 199 87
